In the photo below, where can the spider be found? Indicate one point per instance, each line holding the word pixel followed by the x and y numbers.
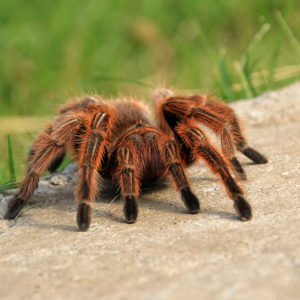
pixel 119 141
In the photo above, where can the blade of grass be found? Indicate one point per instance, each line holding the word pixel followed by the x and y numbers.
pixel 247 70
pixel 277 45
pixel 258 37
pixel 249 59
pixel 11 184
pixel 226 81
pixel 260 77
pixel 12 169
pixel 7 186
pixel 245 82
pixel 288 31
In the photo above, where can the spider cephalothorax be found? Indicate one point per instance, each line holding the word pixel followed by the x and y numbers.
pixel 119 141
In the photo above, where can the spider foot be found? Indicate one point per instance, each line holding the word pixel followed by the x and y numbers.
pixel 15 205
pixel 130 209
pixel 238 169
pixel 84 216
pixel 255 156
pixel 190 200
pixel 243 208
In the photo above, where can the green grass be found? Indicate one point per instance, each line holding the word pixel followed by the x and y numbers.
pixel 55 50
pixel 11 182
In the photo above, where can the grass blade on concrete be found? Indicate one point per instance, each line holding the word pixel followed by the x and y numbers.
pixel 11 184
pixel 12 169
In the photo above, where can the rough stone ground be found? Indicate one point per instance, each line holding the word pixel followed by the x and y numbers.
pixel 169 254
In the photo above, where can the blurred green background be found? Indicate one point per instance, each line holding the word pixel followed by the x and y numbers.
pixel 55 50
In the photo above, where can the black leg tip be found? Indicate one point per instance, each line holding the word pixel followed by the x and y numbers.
pixel 130 220
pixel 243 208
pixel 263 160
pixel 83 226
pixel 190 200
pixel 255 156
pixel 14 207
pixel 238 169
pixel 84 216
pixel 241 176
pixel 130 209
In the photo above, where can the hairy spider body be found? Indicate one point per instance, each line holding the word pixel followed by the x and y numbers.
pixel 119 141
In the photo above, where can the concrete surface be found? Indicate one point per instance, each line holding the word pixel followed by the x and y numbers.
pixel 169 254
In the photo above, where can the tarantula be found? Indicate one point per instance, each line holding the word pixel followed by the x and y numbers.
pixel 119 141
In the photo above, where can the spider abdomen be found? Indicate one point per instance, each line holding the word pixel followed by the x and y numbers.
pixel 127 114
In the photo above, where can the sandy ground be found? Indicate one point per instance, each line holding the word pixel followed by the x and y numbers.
pixel 168 254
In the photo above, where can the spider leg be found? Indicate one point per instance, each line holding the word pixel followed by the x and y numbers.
pixel 179 178
pixel 201 147
pixel 54 165
pixel 238 137
pixel 89 158
pixel 220 118
pixel 128 179
pixel 222 127
pixel 154 147
pixel 175 109
pixel 83 105
pixel 56 162
pixel 46 149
